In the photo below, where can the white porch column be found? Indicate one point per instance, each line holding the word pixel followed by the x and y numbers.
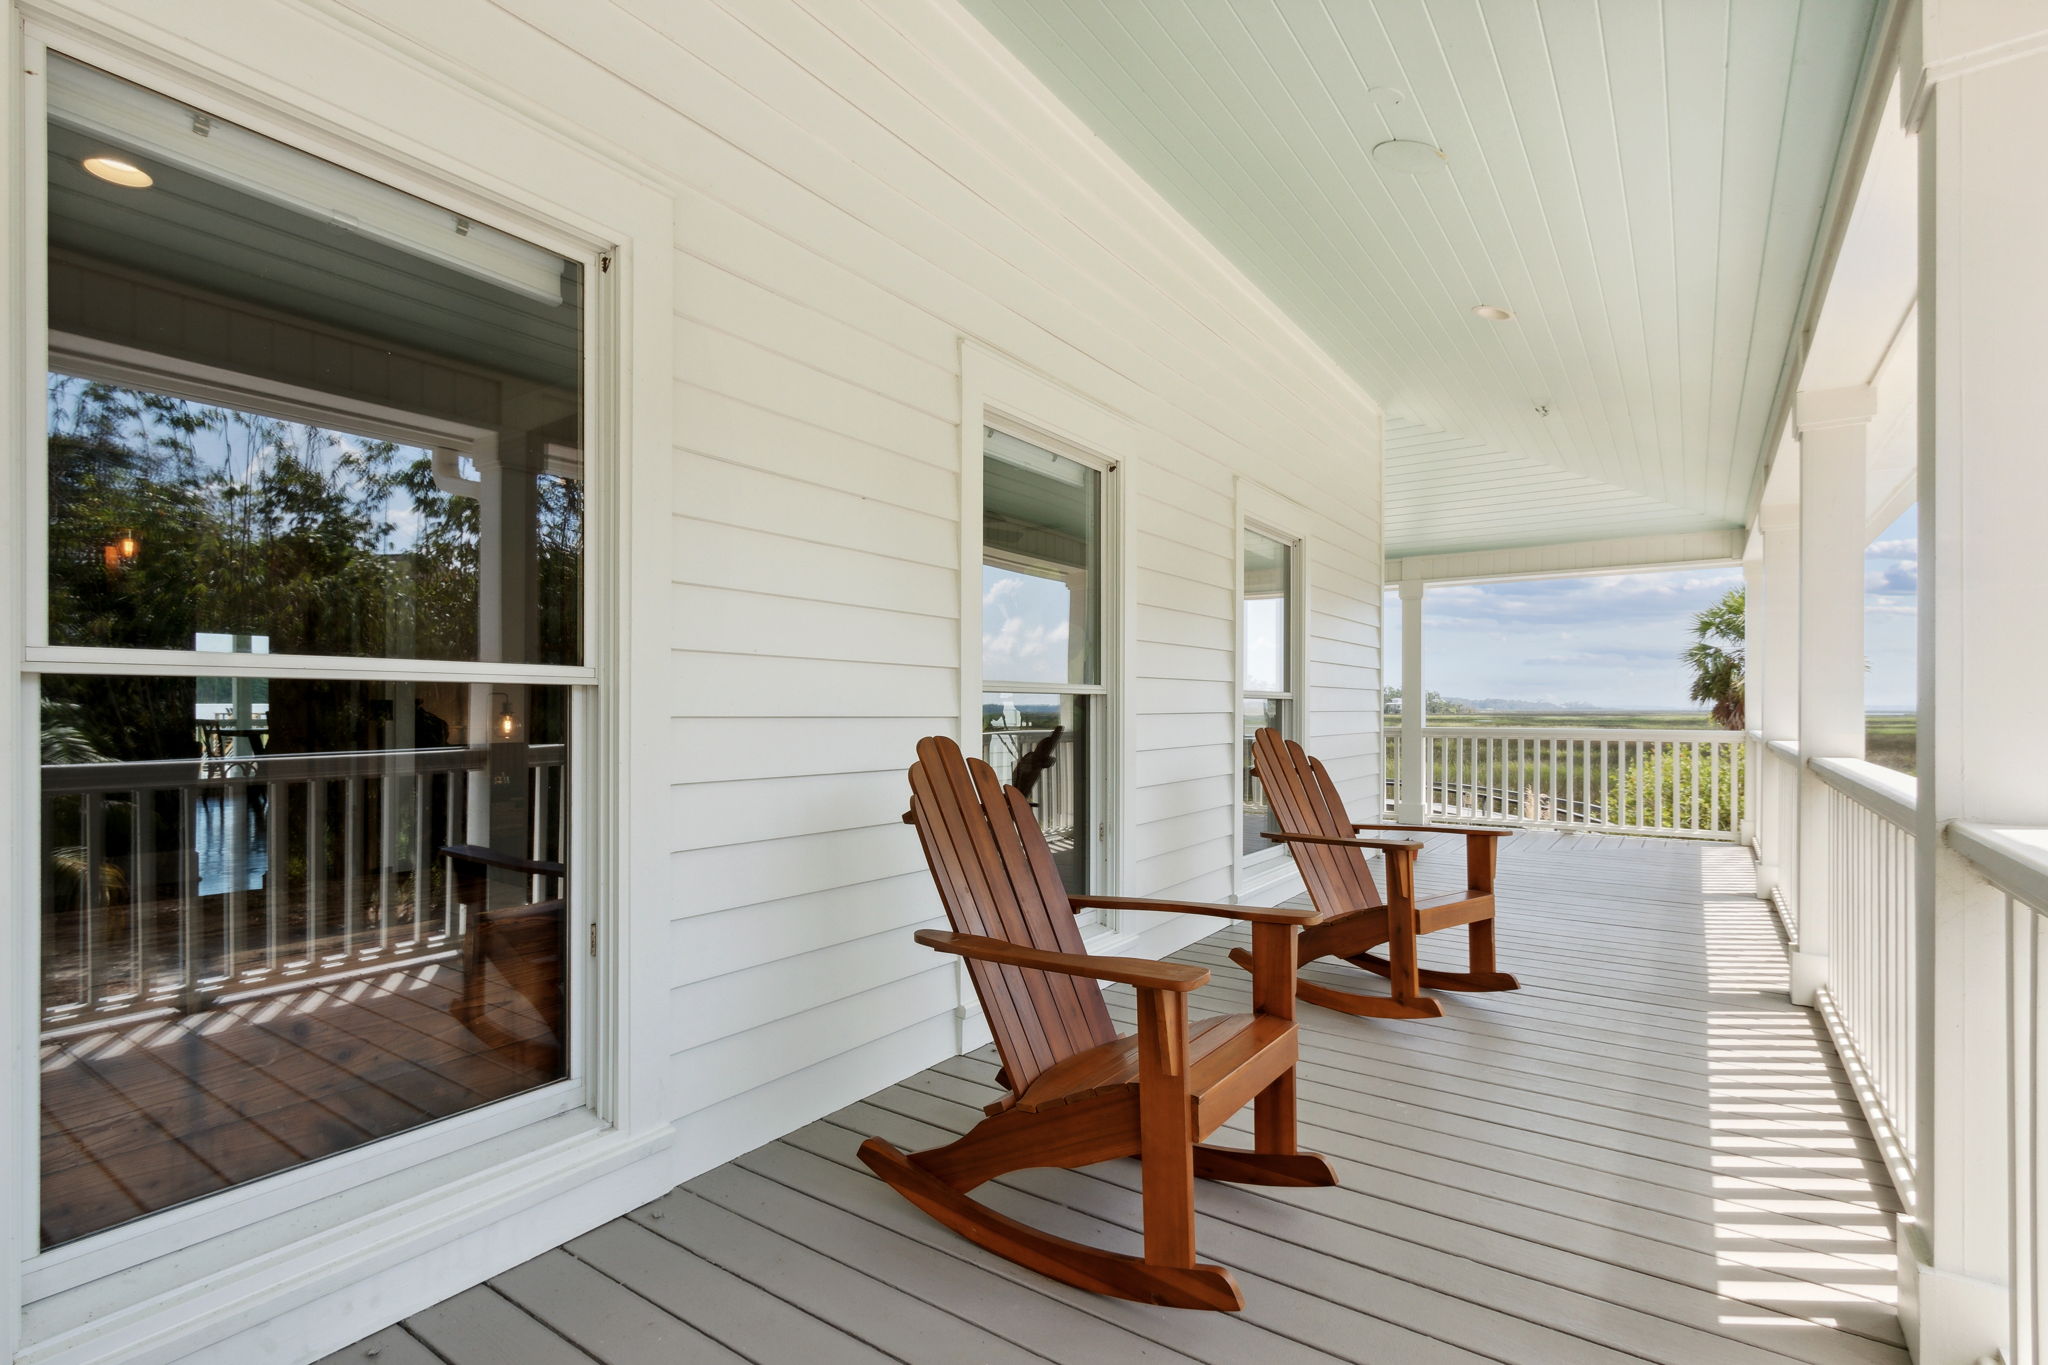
pixel 1975 75
pixel 1774 701
pixel 1832 426
pixel 1413 807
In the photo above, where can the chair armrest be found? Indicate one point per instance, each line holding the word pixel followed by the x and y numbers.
pixel 1390 845
pixel 1446 829
pixel 1131 971
pixel 490 857
pixel 1251 914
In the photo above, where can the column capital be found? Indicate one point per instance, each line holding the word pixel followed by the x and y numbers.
pixel 1411 589
pixel 1819 409
pixel 1777 516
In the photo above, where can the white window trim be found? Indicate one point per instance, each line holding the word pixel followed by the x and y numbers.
pixel 226 71
pixel 1001 392
pixel 1102 763
pixel 1258 874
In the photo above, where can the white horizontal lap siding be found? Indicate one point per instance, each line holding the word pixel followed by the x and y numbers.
pixel 857 187
pixel 1182 679
pixel 1344 661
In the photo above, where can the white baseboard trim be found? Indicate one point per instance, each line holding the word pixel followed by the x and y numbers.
pixel 329 1288
pixel 1882 1130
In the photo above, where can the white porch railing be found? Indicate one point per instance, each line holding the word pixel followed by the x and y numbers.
pixel 1870 996
pixel 188 880
pixel 1685 783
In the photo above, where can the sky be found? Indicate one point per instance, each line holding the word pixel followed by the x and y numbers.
pixel 1613 640
pixel 1891 580
pixel 1025 626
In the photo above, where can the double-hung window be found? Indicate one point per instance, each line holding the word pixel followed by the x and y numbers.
pixel 312 659
pixel 1267 648
pixel 1043 694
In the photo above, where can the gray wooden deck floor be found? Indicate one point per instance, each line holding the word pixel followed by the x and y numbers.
pixel 1644 1154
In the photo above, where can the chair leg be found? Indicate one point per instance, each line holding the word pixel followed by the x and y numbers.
pixel 1403 974
pixel 1274 1159
pixel 1483 975
pixel 1483 969
pixel 1166 1129
pixel 1273 1122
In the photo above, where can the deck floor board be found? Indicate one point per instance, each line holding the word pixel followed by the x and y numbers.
pixel 1646 1154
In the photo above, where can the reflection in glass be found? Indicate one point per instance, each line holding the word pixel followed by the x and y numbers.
pixel 1259 713
pixel 292 412
pixel 1041 573
pixel 287 401
pixel 319 541
pixel 1039 744
pixel 1267 578
pixel 285 921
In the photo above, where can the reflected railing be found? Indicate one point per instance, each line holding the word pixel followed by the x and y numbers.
pixel 1051 796
pixel 173 884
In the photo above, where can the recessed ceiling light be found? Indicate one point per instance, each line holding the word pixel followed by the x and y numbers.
pixel 115 171
pixel 1411 158
pixel 1492 312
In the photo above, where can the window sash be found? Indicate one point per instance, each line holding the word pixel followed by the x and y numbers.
pixel 232 1211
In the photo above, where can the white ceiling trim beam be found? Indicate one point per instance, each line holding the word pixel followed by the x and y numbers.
pixel 1633 554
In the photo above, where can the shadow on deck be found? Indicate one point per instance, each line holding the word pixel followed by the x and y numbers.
pixel 1646 1153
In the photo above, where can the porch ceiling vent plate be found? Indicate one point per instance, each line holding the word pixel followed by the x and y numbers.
pixel 1408 157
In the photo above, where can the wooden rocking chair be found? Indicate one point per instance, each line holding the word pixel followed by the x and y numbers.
pixel 1351 915
pixel 1079 1093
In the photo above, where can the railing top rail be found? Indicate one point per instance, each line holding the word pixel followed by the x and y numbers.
pixel 1784 748
pixel 1890 794
pixel 191 772
pixel 1581 732
pixel 2013 858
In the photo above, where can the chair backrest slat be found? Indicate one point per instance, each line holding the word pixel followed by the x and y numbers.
pixel 1305 801
pixel 996 877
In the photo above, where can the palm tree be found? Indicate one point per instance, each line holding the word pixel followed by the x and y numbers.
pixel 1716 658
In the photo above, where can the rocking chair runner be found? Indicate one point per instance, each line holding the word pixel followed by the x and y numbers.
pixel 1079 1092
pixel 1352 916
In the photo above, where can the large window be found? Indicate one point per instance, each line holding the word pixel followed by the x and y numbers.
pixel 1042 641
pixel 1267 644
pixel 313 658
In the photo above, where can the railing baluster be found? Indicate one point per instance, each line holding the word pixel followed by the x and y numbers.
pixel 1641 780
pixel 95 910
pixel 387 856
pixel 275 863
pixel 1606 814
pixel 317 916
pixel 351 863
pixel 141 889
pixel 188 899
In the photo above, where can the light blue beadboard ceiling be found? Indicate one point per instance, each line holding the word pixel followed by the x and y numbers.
pixel 1641 181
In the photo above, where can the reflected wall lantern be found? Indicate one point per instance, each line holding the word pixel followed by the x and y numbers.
pixel 121 551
